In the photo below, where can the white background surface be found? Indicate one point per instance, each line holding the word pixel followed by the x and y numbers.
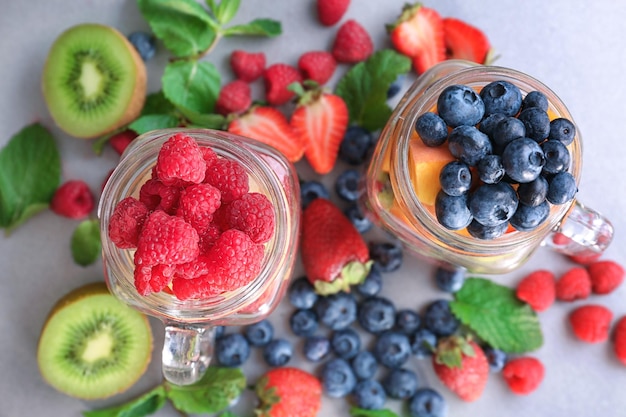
pixel 577 48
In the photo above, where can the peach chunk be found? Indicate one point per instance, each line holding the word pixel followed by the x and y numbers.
pixel 425 164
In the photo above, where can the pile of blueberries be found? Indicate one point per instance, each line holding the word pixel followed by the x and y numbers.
pixel 519 155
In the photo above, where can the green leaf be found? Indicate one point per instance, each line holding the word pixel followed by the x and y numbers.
pixel 150 122
pixel 191 85
pixel 364 88
pixel 257 27
pixel 228 414
pixel 226 10
pixel 184 26
pixel 361 412
pixel 157 103
pixel 497 316
pixel 145 405
pixel 30 173
pixel 213 393
pixel 85 242
pixel 207 120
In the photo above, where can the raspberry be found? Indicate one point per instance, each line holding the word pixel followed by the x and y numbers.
pixel 158 196
pixel 591 323
pixel 197 204
pixel 193 269
pixel 352 43
pixel 149 279
pixel 253 214
pixel 317 66
pixel 605 276
pixel 208 155
pixel 538 290
pixel 121 140
pixel 330 12
pixel 73 199
pixel 585 258
pixel 619 340
pixel 126 222
pixel 180 161
pixel 209 237
pixel 523 375
pixel 229 177
pixel 234 97
pixel 247 66
pixel 166 239
pixel 575 284
pixel 277 78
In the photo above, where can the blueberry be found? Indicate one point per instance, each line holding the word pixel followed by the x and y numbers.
pixel 460 105
pixel 336 311
pixel 259 334
pixel 400 383
pixel 310 190
pixel 507 130
pixel 232 350
pixel 301 293
pixel 563 130
pixel 144 43
pixel 373 282
pixel 449 278
pixel 423 343
pixel 377 314
pixel 361 222
pixel 536 122
pixel 369 394
pixel 490 169
pixel 527 218
pixel 556 155
pixel 493 204
pixel 455 178
pixel 303 322
pixel 480 231
pixel 431 129
pixel 452 212
pixel 533 193
pixel 523 159
pixel 219 331
pixel 337 378
pixel 316 348
pixel 278 352
pixel 561 188
pixel 438 318
pixel 535 99
pixel 347 185
pixel 364 365
pixel 488 124
pixel 501 97
pixel 346 343
pixel 392 349
pixel 496 358
pixel 407 321
pixel 387 255
pixel 469 144
pixel 355 145
pixel 427 403
pixel 395 86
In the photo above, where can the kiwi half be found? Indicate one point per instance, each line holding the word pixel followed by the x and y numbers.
pixel 92 346
pixel 94 81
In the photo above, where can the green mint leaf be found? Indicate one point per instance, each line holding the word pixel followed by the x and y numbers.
pixel 150 122
pixel 184 26
pixel 226 10
pixel 257 27
pixel 364 88
pixel 497 316
pixel 85 242
pixel 361 412
pixel 207 120
pixel 30 173
pixel 228 414
pixel 213 393
pixel 191 85
pixel 157 103
pixel 145 405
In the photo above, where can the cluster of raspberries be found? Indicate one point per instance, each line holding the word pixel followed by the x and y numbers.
pixel 197 229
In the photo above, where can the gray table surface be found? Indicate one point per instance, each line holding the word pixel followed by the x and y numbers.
pixel 575 47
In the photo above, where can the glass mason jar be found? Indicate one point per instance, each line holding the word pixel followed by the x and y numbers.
pixel 390 200
pixel 189 325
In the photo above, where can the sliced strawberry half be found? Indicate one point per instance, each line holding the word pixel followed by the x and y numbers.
pixel 464 41
pixel 268 125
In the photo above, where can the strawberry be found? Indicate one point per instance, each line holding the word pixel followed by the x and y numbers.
pixel 330 12
pixel 462 366
pixel 277 78
pixel 352 43
pixel 270 126
pixel 234 97
pixel 464 41
pixel 321 120
pixel 247 66
pixel 334 254
pixel 418 33
pixel 288 392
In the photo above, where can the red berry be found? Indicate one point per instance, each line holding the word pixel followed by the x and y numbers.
pixel 73 199
pixel 605 276
pixel 619 340
pixel 591 323
pixel 330 12
pixel 121 140
pixel 585 258
pixel 126 222
pixel 523 375
pixel 229 177
pixel 197 204
pixel 158 196
pixel 253 214
pixel 538 290
pixel 317 66
pixel 247 66
pixel 575 284
pixel 277 78
pixel 352 43
pixel 234 97
pixel 149 279
pixel 180 161
pixel 209 237
pixel 193 269
pixel 208 155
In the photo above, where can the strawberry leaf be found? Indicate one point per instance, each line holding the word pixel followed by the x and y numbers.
pixel 352 273
pixel 150 122
pixel 85 242
pixel 157 103
pixel 191 85
pixel 361 412
pixel 497 316
pixel 145 405
pixel 225 10
pixel 257 27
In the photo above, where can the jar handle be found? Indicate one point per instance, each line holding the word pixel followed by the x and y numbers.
pixel 187 352
pixel 583 232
